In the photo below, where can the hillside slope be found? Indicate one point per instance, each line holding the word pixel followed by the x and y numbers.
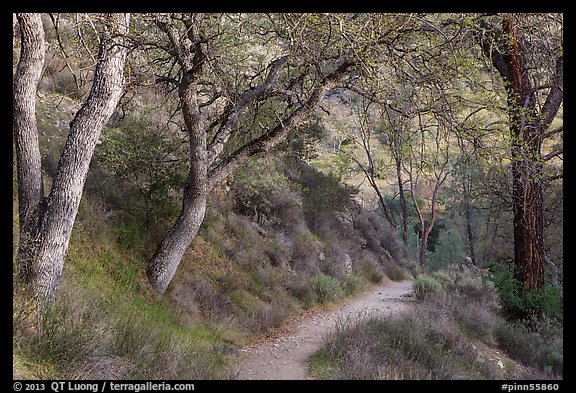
pixel 273 244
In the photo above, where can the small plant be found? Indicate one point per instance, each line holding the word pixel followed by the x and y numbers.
pixel 303 290
pixel 426 286
pixel 371 270
pixel 327 288
pixel 395 273
pixel 352 284
pixel 268 198
pixel 267 316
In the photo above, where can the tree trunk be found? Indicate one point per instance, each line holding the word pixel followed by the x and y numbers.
pixel 385 210
pixel 403 204
pixel 59 209
pixel 527 203
pixel 527 128
pixel 171 249
pixel 25 132
pixel 468 217
pixel 526 168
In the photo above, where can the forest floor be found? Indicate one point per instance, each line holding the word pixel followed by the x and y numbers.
pixel 285 354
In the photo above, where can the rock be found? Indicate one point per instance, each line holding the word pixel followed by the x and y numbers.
pixel 347 264
pixel 227 349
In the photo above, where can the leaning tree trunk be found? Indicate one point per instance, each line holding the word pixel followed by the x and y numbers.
pixel 171 249
pixel 25 131
pixel 58 211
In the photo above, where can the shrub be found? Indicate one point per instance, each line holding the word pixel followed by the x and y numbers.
pixel 541 348
pixel 426 286
pixel 211 302
pixel 371 269
pixel 323 194
pixel 140 158
pixel 476 320
pixel 268 198
pixel 352 284
pixel 518 304
pixel 302 289
pixel 394 272
pixel 266 316
pixel 469 286
pixel 327 288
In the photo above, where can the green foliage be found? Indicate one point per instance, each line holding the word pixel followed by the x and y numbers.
pixel 451 246
pixel 123 274
pixel 518 303
pixel 302 142
pixel 426 285
pixel 327 288
pixel 352 284
pixel 265 196
pixel 146 165
pixel 323 195
pixel 434 234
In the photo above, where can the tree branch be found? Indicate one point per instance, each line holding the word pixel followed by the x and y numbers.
pixel 236 109
pixel 553 154
pixel 276 135
pixel 553 132
pixel 555 97
pixel 487 39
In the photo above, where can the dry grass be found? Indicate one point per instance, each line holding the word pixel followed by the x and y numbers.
pixel 455 332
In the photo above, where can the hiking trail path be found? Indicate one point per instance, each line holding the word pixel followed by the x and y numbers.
pixel 285 355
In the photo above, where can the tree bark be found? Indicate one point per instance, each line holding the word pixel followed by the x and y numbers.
pixel 169 253
pixel 526 167
pixel 469 229
pixel 403 204
pixel 58 212
pixel 202 179
pixel 25 133
pixel 527 129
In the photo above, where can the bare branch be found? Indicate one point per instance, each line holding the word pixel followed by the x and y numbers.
pixel 273 137
pixel 555 97
pixel 553 132
pixel 553 154
pixel 236 109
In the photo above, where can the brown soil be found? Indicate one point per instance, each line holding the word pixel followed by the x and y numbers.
pixel 286 355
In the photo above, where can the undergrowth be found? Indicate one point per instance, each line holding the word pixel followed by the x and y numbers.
pixel 273 244
pixel 456 330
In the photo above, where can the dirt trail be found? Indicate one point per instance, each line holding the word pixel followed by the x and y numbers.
pixel 285 356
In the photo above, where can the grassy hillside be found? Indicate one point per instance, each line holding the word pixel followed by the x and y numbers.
pixel 274 244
